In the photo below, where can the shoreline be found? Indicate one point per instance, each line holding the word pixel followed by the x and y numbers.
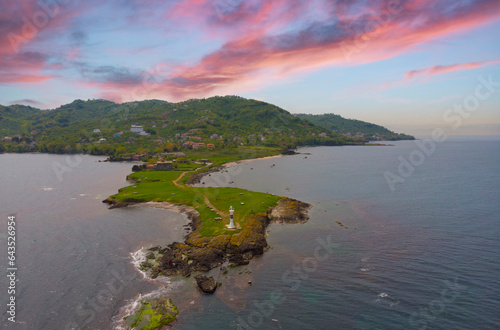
pixel 199 254
pixel 249 160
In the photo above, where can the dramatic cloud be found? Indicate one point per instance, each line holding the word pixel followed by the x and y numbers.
pixel 233 46
pixel 441 69
pixel 384 30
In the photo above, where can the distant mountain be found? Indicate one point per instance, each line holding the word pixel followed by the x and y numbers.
pixel 353 127
pixel 103 127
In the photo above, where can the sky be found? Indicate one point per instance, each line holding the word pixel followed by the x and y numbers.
pixel 410 65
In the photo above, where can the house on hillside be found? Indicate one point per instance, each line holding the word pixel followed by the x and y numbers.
pixel 102 140
pixel 136 129
pixel 96 130
pixel 198 145
pixel 211 146
pixel 214 136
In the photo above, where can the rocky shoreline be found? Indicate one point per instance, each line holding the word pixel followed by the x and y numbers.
pixel 200 253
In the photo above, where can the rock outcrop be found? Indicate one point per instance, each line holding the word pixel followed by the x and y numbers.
pixel 201 253
pixel 206 284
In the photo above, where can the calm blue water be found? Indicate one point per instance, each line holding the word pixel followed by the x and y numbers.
pixel 423 255
pixel 426 254
pixel 73 254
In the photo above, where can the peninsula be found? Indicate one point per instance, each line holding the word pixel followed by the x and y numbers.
pixel 210 242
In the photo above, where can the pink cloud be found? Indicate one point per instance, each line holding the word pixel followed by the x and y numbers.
pixel 261 41
pixel 442 69
pixel 254 58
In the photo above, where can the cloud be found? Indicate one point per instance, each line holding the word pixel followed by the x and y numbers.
pixel 78 38
pixel 253 58
pixel 442 69
pixel 23 68
pixel 251 43
pixel 28 102
pixel 110 74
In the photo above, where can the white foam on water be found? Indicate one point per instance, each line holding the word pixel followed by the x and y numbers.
pixel 383 295
pixel 138 257
pixel 165 286
pixel 47 189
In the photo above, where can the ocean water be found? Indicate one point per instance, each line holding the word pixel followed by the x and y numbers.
pixel 73 255
pixel 422 254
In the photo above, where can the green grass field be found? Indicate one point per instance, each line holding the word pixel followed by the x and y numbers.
pixel 222 156
pixel 159 186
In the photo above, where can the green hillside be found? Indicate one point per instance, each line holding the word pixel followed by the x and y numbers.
pixel 103 127
pixel 352 127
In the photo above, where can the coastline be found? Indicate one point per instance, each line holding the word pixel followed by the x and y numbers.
pixel 249 160
pixel 199 253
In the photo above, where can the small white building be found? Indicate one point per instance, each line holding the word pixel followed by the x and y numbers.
pixel 136 129
pixel 102 140
pixel 96 130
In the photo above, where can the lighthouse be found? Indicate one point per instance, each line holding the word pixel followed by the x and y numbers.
pixel 231 212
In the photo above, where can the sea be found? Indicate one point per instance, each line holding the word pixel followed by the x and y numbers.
pixel 401 236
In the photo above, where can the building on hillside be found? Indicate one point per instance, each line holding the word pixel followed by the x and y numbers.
pixel 136 129
pixel 137 157
pixel 102 140
pixel 96 130
pixel 116 135
pixel 7 138
pixel 163 166
pixel 198 145
pixel 211 146
pixel 214 136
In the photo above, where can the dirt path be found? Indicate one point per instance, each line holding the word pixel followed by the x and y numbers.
pixel 176 181
pixel 224 215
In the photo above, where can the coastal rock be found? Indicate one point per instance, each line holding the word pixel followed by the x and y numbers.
pixel 202 253
pixel 153 314
pixel 196 178
pixel 290 211
pixel 206 284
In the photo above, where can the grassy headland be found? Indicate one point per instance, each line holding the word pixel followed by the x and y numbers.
pixel 211 203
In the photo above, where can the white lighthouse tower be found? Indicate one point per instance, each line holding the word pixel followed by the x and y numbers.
pixel 231 223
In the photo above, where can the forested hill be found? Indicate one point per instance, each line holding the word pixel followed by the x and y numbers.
pixel 104 127
pixel 352 127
